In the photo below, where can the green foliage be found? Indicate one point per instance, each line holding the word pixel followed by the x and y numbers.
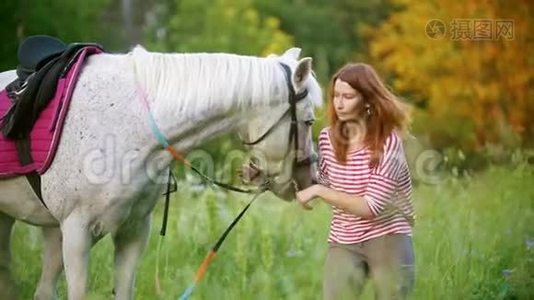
pixel 217 26
pixel 71 21
pixel 474 239
pixel 327 30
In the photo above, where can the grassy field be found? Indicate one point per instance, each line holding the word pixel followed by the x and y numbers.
pixel 474 239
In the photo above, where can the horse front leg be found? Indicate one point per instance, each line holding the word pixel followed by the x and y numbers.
pixel 130 241
pixel 52 264
pixel 7 284
pixel 76 246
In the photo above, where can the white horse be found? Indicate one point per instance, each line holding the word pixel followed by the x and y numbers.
pixel 106 176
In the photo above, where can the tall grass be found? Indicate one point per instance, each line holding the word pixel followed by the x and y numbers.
pixel 474 239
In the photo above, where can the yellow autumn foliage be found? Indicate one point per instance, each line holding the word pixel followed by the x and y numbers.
pixel 474 83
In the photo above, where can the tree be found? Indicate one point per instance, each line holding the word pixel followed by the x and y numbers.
pixel 216 26
pixel 72 21
pixel 328 30
pixel 471 92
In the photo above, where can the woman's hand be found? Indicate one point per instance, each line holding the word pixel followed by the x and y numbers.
pixel 306 195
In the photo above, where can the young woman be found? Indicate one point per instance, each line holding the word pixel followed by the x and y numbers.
pixel 364 176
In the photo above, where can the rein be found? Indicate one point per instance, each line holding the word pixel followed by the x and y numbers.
pixel 293 98
pixel 173 187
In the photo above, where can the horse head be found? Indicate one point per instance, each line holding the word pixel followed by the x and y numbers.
pixel 280 137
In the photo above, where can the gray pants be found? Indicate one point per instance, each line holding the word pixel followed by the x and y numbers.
pixel 387 260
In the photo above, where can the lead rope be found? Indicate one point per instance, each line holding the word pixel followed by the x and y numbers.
pixel 211 254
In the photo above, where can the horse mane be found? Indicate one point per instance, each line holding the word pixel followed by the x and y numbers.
pixel 201 81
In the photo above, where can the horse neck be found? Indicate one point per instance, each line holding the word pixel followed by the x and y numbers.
pixel 194 97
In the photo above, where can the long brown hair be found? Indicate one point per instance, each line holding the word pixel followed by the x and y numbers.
pixel 380 111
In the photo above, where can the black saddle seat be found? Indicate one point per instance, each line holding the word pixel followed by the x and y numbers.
pixel 43 61
pixel 35 51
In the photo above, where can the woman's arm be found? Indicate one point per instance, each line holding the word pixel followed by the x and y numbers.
pixel 350 203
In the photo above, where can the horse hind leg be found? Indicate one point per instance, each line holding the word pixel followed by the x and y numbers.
pixel 7 284
pixel 130 241
pixel 52 264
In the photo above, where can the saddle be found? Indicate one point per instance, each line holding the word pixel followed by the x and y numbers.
pixel 33 107
pixel 43 60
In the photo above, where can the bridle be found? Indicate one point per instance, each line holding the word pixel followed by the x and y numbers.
pixel 293 99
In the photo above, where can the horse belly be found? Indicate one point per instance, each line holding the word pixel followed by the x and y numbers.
pixel 18 200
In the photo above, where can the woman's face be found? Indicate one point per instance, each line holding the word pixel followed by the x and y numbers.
pixel 346 100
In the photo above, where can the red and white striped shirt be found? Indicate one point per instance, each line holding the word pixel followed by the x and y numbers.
pixel 387 189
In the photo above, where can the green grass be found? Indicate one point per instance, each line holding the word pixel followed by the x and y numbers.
pixel 473 240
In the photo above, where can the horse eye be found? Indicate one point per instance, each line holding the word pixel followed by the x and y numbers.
pixel 309 122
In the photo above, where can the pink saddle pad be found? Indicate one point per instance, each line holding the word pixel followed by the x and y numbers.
pixel 46 132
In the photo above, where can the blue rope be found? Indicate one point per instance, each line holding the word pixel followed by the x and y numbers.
pixel 157 132
pixel 187 293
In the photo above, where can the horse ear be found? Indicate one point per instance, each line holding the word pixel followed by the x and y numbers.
pixel 301 73
pixel 139 47
pixel 293 53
